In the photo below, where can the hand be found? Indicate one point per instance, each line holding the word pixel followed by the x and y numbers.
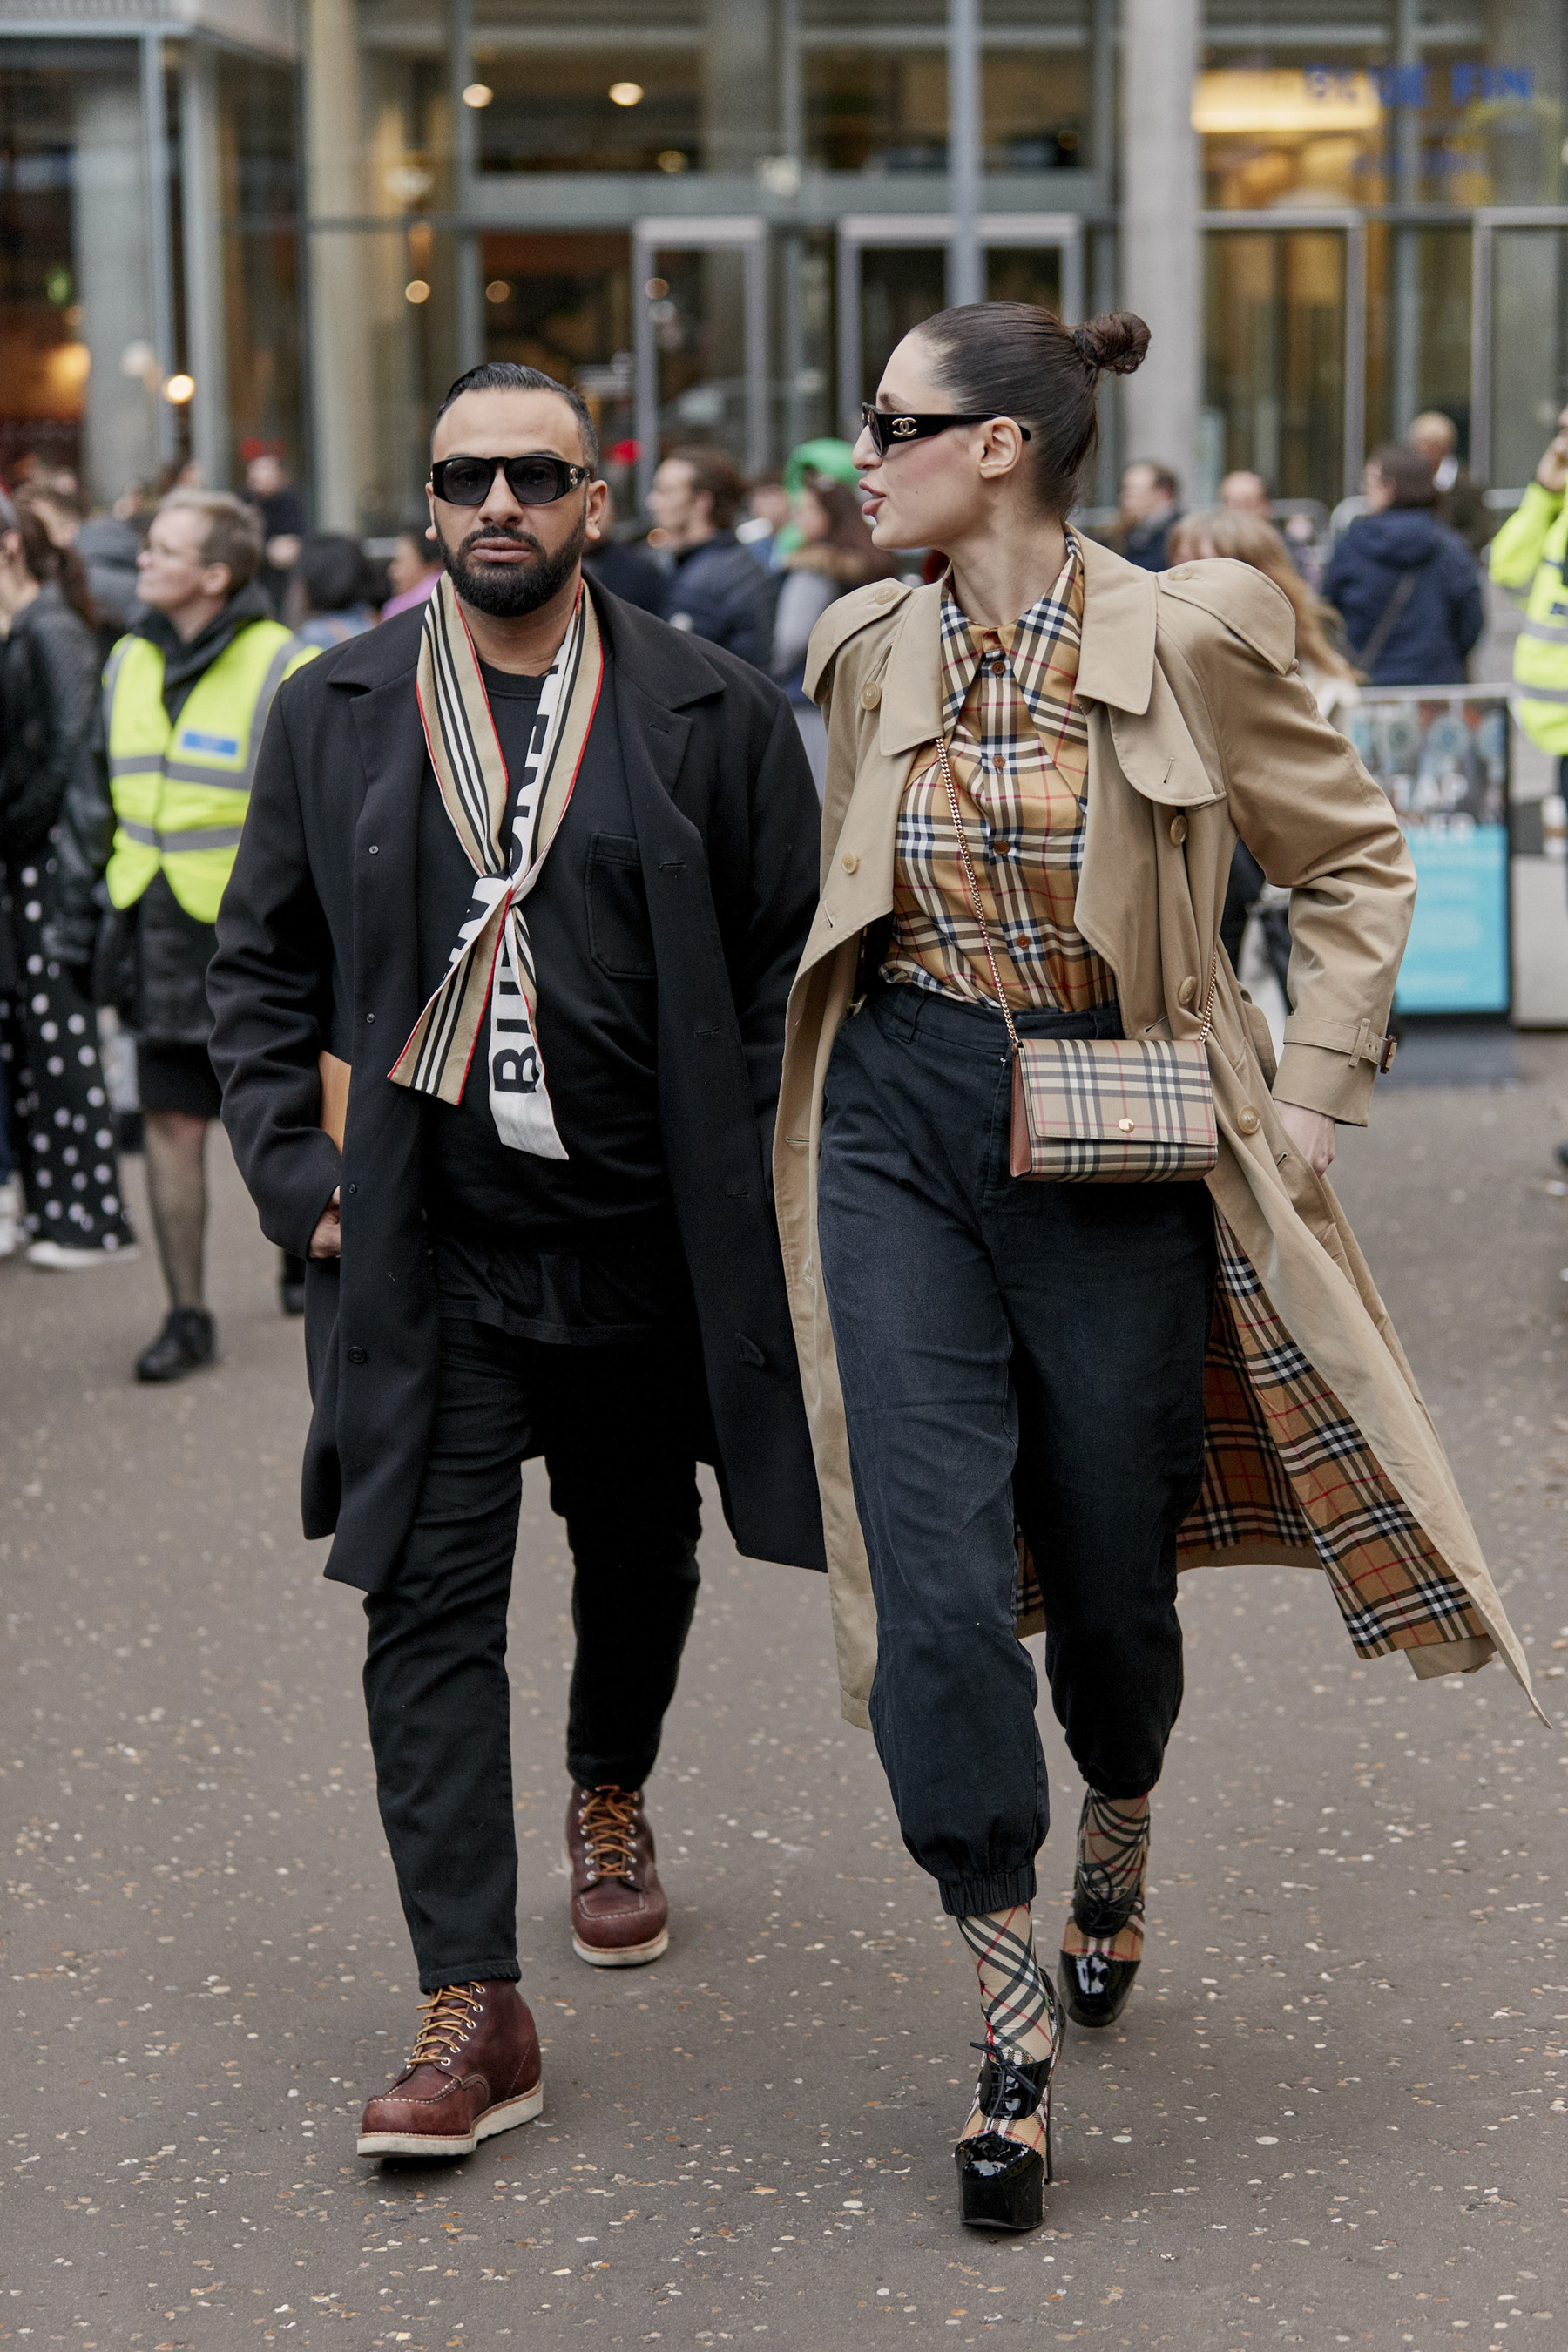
pixel 1553 471
pixel 1311 1132
pixel 327 1241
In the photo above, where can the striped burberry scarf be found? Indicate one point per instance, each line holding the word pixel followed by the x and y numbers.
pixel 492 959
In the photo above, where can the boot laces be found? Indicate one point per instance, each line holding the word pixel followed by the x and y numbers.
pixel 608 1822
pixel 448 2017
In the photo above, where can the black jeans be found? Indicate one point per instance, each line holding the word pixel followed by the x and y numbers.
pixel 1011 1354
pixel 615 1426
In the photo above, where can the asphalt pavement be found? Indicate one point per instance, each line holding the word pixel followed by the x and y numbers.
pixel 1334 2111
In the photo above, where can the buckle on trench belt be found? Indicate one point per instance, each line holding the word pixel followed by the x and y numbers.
pixel 1386 1052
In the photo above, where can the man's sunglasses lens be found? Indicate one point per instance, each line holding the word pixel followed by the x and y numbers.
pixel 535 482
pixel 465 482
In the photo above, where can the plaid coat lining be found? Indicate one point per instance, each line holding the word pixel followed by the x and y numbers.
pixel 1284 1465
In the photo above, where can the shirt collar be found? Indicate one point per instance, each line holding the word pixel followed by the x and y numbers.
pixel 1034 646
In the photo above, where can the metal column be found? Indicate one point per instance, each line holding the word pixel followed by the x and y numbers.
pixel 468 252
pixel 966 263
pixel 159 244
pixel 202 235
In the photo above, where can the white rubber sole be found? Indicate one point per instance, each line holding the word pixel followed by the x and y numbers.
pixel 499 2118
pixel 630 1956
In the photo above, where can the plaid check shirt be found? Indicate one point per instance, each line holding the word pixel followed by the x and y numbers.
pixel 1018 747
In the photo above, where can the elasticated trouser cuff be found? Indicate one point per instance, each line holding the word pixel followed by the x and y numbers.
pixel 966 1898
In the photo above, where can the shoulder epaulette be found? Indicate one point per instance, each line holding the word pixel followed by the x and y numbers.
pixel 1244 598
pixel 844 619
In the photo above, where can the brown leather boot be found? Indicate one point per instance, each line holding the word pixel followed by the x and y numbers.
pixel 620 1918
pixel 475 2071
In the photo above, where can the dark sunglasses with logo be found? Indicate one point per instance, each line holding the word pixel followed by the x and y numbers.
pixel 890 430
pixel 533 481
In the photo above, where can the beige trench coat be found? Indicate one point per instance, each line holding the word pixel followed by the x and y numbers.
pixel 1200 730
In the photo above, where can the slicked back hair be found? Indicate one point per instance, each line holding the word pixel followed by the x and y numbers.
pixel 511 375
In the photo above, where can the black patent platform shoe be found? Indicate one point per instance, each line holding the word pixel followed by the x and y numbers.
pixel 1095 1987
pixel 1002 2181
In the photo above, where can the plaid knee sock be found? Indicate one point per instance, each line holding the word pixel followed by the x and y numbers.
pixel 1012 1987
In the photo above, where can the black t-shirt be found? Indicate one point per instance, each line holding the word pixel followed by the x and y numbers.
pixel 550 1248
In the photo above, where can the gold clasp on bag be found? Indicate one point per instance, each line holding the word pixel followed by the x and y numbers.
pixel 1074 1098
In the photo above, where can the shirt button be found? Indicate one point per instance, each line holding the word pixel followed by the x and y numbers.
pixel 1178 829
pixel 375 849
pixel 1246 1120
pixel 870 696
pixel 358 1355
pixel 369 1017
pixel 849 862
pixel 354 1188
pixel 1188 992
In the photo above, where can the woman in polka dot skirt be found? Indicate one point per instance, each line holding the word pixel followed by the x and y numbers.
pixel 63 1128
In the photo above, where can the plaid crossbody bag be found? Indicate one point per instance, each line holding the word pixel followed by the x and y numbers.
pixel 1102 1110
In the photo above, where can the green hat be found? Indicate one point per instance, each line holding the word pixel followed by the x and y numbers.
pixel 834 458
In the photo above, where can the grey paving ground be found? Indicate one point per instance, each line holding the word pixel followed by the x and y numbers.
pixel 1336 2114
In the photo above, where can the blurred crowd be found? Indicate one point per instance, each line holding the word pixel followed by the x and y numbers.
pixel 1386 591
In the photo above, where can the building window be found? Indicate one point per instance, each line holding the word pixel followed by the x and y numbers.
pixel 80 381
pixel 1443 106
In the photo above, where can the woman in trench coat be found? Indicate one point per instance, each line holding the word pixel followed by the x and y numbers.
pixel 1032 1402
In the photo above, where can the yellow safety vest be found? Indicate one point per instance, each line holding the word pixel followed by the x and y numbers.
pixel 1528 553
pixel 180 791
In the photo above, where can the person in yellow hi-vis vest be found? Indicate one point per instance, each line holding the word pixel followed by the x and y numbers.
pixel 185 697
pixel 1527 556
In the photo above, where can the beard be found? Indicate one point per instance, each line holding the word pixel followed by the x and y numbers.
pixel 508 593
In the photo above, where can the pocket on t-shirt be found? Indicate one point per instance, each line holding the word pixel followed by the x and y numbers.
pixel 620 936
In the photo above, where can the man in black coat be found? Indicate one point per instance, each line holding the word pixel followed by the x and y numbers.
pixel 717 589
pixel 613 1300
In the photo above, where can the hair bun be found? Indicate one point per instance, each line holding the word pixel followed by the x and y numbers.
pixel 1115 344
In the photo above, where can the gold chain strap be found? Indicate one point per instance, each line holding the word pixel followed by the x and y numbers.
pixel 974 890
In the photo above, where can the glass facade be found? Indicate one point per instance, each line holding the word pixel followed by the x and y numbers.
pixel 716 216
pixel 79 367
pixel 150 258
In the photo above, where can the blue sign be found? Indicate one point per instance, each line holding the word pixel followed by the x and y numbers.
pixel 1442 758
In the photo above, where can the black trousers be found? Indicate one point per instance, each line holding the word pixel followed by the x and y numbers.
pixel 1011 1354
pixel 615 1425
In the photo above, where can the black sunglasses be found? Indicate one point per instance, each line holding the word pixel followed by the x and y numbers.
pixel 887 431
pixel 532 481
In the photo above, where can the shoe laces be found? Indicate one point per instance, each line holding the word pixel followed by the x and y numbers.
pixel 607 1820
pixel 448 2017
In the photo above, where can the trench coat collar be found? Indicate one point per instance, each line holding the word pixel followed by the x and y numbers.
pixel 669 666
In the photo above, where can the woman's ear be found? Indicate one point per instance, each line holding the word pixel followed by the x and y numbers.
pixel 1002 449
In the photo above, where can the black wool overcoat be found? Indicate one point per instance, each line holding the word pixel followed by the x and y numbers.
pixel 316 949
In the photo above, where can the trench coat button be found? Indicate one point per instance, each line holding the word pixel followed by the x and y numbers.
pixel 870 696
pixel 1178 828
pixel 1183 574
pixel 849 862
pixel 358 1355
pixel 1246 1119
pixel 885 595
pixel 1187 993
